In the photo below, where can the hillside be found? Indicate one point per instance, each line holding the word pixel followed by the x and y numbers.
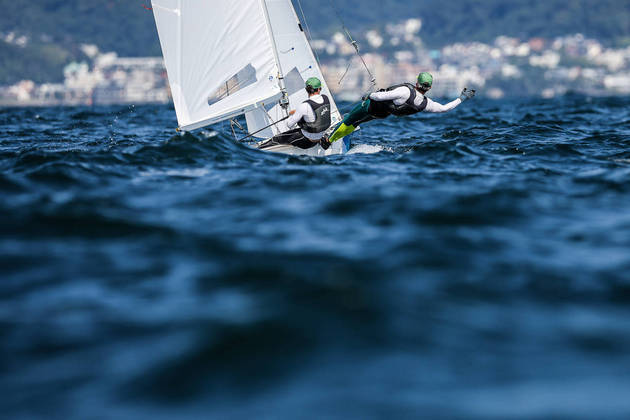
pixel 445 22
pixel 55 28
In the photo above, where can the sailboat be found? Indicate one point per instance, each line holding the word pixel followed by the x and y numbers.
pixel 229 58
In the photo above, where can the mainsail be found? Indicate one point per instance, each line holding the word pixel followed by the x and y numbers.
pixel 229 58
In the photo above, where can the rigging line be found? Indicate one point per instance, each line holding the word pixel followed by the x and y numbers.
pixel 309 35
pixel 233 123
pixel 264 128
pixel 345 72
pixel 232 128
pixel 265 111
pixel 354 43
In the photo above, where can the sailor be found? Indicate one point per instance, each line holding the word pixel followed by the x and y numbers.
pixel 399 100
pixel 312 119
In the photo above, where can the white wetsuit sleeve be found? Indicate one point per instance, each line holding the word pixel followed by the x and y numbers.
pixel 398 95
pixel 433 106
pixel 300 112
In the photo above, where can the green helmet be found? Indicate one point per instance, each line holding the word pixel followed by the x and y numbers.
pixel 314 82
pixel 425 79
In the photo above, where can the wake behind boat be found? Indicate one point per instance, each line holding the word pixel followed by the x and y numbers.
pixel 246 58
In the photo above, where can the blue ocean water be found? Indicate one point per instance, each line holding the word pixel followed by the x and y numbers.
pixel 471 265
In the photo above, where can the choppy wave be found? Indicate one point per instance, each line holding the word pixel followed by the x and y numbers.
pixel 466 265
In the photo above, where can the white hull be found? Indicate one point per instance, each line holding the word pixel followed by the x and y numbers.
pixel 337 148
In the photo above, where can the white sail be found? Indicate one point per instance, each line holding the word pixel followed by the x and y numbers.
pixel 219 58
pixel 297 62
pixel 228 58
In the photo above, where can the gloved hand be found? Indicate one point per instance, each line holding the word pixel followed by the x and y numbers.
pixel 467 94
pixel 325 143
pixel 365 97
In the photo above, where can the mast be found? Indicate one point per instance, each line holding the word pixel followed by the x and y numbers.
pixel 284 101
pixel 293 53
pixel 180 46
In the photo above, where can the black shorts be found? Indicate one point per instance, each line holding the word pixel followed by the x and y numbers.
pixel 293 138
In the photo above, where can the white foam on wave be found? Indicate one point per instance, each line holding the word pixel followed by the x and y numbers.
pixel 365 149
pixel 208 133
pixel 185 173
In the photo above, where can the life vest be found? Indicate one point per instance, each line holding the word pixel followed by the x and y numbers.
pixel 322 117
pixel 382 109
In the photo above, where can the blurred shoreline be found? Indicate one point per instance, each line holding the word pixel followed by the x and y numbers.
pixel 509 67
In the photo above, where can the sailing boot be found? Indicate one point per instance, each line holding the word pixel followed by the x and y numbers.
pixel 341 131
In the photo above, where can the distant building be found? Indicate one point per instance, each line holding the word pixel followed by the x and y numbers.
pixel 394 54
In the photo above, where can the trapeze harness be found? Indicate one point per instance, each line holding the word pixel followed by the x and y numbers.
pixel 309 133
pixel 322 117
pixel 383 109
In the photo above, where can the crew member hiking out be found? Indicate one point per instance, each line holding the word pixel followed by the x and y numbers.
pixel 399 100
pixel 312 119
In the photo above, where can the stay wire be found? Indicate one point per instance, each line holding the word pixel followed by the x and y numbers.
pixel 355 44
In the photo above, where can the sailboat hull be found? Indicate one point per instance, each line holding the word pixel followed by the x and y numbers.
pixel 337 148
